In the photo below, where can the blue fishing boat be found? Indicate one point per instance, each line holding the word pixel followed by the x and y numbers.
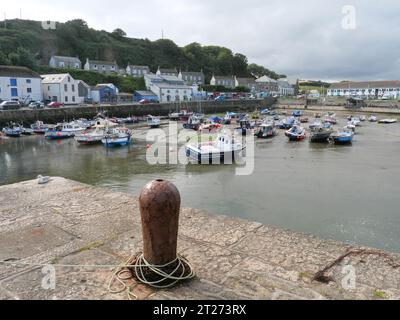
pixel 287 123
pixel 343 137
pixel 13 131
pixel 296 133
pixel 117 137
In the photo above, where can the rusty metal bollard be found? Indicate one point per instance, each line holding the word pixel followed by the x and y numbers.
pixel 160 204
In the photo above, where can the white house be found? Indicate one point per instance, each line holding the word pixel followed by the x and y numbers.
pixel 285 88
pixel 20 84
pixel 228 82
pixel 167 72
pixel 192 78
pixel 65 62
pixel 137 71
pixel 366 89
pixel 168 88
pixel 60 88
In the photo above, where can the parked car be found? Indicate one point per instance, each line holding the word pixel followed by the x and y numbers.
pixel 54 105
pixel 220 98
pixel 10 105
pixel 144 101
pixel 36 105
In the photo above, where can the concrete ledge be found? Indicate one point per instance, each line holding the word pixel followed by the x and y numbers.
pixel 69 223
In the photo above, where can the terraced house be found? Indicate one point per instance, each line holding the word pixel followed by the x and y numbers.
pixel 366 89
pixel 20 84
pixel 192 78
pixel 107 67
pixel 228 82
pixel 168 88
pixel 137 71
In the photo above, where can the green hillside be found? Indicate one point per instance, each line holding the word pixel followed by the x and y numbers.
pixel 25 42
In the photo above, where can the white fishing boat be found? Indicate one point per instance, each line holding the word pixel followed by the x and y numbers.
pixel 153 122
pixel 61 131
pixel 224 150
pixel 39 127
pixel 91 137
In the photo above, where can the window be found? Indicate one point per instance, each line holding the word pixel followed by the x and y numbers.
pixel 73 98
pixel 29 90
pixel 95 66
pixel 48 88
pixel 66 99
pixel 28 81
pixel 65 87
pixel 73 88
pixel 14 92
pixel 69 79
pixel 13 82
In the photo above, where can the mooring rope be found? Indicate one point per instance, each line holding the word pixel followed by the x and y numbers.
pixel 138 263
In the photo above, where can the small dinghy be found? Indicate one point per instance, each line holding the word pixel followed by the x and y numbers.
pixel 224 150
pixel 342 137
pixel 297 113
pixel 266 130
pixel 388 121
pixel 26 131
pixel 296 133
pixel 116 137
pixel 363 118
pixel 372 118
pixel 350 126
pixel 43 180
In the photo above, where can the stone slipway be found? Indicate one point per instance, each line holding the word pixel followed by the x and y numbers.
pixel 69 223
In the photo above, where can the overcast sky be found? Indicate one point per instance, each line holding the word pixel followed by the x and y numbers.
pixel 304 39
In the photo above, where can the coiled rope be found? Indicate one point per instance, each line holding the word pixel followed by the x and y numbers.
pixel 135 268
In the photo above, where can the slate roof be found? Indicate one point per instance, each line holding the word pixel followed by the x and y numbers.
pixel 366 84
pixel 18 72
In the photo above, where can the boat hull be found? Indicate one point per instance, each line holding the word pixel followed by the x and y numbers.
pixel 113 143
pixel 295 137
pixel 320 137
pixel 59 135
pixel 214 158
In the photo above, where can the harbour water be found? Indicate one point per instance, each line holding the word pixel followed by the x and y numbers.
pixel 348 193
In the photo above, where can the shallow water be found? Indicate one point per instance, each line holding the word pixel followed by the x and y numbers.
pixel 347 193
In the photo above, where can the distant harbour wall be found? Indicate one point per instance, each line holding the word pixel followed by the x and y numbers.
pixel 88 112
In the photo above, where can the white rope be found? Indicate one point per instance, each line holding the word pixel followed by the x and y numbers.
pixel 141 263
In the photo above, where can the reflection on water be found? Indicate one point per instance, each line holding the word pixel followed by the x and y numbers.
pixel 347 193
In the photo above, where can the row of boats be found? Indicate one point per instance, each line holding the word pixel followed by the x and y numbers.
pixel 109 132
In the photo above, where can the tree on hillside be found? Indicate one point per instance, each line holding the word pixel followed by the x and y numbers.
pixel 22 57
pixel 119 33
pixel 4 61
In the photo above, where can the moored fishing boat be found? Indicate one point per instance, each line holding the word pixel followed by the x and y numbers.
pixel 296 133
pixel 287 123
pixel 153 122
pixel 210 128
pixel 193 123
pixel 297 113
pixel 12 130
pixel 116 137
pixel 266 130
pixel 320 134
pixel 91 137
pixel 60 131
pixel 342 137
pixel 224 150
pixel 26 131
pixel 39 127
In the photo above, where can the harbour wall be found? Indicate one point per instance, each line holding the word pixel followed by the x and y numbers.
pixel 70 113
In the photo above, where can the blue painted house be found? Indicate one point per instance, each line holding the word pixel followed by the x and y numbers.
pixel 104 93
pixel 145 95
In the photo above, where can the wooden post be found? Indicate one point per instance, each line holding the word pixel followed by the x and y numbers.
pixel 160 204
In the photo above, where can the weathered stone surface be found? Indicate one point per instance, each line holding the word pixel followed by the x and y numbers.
pixel 66 223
